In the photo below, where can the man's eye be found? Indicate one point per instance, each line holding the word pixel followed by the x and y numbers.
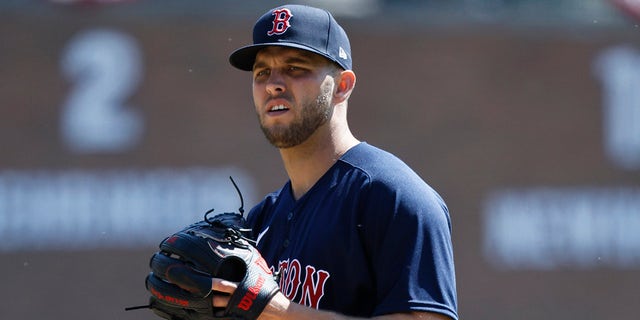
pixel 261 73
pixel 296 70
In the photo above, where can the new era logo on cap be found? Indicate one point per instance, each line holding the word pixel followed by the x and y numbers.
pixel 297 26
pixel 343 54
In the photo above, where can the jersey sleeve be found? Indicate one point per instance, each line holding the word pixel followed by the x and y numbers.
pixel 409 240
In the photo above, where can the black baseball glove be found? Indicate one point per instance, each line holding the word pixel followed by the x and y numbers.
pixel 181 272
pixel 217 247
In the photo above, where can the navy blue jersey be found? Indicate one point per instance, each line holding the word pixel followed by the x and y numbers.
pixel 369 238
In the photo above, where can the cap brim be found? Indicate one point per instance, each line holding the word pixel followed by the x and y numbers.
pixel 244 58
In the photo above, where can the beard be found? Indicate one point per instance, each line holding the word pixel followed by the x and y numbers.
pixel 314 115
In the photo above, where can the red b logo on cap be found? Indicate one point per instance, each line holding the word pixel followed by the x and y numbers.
pixel 280 22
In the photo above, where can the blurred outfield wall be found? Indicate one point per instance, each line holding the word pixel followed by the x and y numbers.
pixel 116 130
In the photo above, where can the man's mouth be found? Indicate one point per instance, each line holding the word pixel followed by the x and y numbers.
pixel 279 107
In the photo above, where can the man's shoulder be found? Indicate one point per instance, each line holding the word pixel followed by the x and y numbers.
pixel 388 175
pixel 367 156
pixel 377 163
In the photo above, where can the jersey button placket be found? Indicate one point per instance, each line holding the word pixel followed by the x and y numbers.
pixel 285 243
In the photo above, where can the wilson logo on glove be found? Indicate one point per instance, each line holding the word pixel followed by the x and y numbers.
pixel 251 295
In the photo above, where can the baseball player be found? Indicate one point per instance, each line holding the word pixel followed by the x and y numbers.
pixel 354 232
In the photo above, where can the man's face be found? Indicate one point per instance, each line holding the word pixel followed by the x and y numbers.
pixel 292 93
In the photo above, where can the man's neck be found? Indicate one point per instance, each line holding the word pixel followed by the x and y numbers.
pixel 308 162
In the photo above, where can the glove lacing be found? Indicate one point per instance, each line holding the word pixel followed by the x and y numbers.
pixel 232 233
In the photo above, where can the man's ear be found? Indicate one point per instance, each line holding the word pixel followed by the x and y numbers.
pixel 346 81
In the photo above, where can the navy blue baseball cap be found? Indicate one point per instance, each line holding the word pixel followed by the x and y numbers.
pixel 296 26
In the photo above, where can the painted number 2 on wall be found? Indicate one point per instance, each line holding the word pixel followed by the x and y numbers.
pixel 105 68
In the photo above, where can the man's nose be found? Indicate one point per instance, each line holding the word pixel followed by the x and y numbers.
pixel 275 83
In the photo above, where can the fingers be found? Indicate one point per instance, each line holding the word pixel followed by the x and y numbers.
pixel 220 301
pixel 223 286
